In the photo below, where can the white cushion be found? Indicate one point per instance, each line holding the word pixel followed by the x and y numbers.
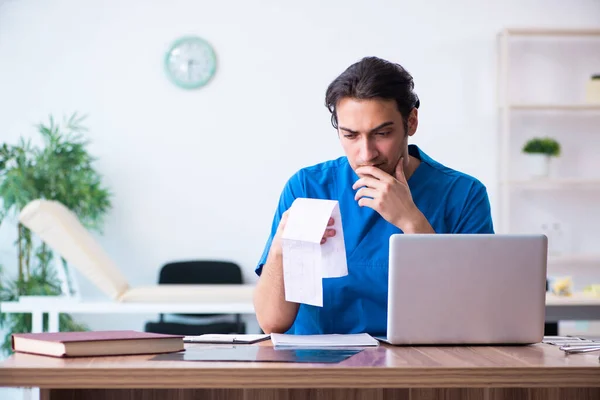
pixel 189 294
pixel 60 229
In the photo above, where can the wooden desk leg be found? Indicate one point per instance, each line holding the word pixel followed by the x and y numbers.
pixel 322 394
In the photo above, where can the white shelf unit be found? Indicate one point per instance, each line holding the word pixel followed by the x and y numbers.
pixel 570 259
pixel 541 107
pixel 555 184
pixel 555 107
pixel 573 264
pixel 551 32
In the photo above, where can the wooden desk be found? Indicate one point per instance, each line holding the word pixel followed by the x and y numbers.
pixel 532 372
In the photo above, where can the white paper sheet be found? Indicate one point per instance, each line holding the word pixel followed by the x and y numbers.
pixel 225 338
pixel 335 340
pixel 305 260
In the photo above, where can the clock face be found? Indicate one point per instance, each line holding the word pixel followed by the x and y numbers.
pixel 190 62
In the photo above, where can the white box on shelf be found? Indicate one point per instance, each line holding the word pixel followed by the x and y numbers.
pixel 592 90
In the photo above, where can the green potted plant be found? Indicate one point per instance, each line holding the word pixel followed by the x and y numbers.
pixel 61 169
pixel 540 152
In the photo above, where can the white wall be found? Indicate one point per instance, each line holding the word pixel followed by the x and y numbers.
pixel 197 174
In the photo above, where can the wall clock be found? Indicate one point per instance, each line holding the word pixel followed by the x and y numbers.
pixel 190 62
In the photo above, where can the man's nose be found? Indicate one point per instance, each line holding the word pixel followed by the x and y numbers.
pixel 367 151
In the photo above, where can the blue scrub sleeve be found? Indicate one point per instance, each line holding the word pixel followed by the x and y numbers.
pixel 476 215
pixel 291 191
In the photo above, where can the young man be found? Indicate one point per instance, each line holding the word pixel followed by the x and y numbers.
pixel 383 186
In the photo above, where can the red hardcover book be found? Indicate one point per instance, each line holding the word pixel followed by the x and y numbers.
pixel 96 343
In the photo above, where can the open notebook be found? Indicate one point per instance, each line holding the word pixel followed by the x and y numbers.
pixel 60 229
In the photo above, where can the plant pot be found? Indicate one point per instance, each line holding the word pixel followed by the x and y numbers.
pixel 538 165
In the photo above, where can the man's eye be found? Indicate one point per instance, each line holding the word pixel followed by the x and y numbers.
pixel 383 133
pixel 350 136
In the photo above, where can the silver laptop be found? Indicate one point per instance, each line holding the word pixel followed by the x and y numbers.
pixel 466 289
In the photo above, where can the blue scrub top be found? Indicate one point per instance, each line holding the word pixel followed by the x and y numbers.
pixel 452 202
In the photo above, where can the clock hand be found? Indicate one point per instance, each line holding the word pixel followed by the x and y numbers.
pixel 189 69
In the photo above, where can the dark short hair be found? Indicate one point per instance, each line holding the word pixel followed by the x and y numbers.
pixel 371 78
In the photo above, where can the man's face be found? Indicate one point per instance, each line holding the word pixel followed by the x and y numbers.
pixel 372 132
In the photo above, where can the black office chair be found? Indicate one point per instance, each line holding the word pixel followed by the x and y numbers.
pixel 198 272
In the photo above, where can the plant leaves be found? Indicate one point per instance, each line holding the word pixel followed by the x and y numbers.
pixel 62 170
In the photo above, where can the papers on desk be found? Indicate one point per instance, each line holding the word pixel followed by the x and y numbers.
pixel 568 340
pixel 573 344
pixel 225 338
pixel 335 340
pixel 305 260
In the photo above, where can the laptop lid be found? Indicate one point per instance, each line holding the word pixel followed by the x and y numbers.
pixel 466 289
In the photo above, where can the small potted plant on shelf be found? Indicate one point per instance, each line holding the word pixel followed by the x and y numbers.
pixel 539 153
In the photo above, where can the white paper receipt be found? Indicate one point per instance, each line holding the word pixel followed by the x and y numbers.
pixel 305 260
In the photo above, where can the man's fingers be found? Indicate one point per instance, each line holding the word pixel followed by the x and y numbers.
pixel 367 181
pixel 330 222
pixel 283 221
pixel 375 172
pixel 328 233
pixel 365 192
pixel 367 202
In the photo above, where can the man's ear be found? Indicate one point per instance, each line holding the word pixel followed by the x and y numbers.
pixel 413 121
